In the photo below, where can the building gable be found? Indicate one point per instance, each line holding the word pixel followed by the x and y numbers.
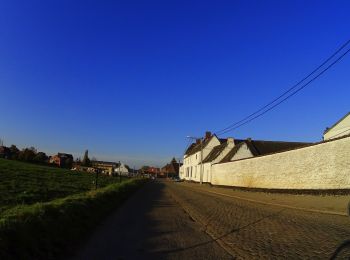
pixel 339 129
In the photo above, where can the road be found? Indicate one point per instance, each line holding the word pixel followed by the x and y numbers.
pixel 167 220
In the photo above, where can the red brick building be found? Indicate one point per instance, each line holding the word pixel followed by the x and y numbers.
pixel 61 159
pixel 171 169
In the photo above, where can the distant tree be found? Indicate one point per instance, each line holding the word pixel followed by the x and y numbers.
pixel 144 169
pixel 26 155
pixel 32 148
pixel 14 152
pixel 40 157
pixel 86 161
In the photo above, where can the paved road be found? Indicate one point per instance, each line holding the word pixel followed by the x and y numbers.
pixel 167 220
pixel 151 225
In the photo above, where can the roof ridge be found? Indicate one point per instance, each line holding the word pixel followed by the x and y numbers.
pixel 336 123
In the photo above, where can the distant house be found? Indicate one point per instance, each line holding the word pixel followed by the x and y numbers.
pixel 153 171
pixel 250 148
pixel 5 152
pixel 171 169
pixel 61 159
pixel 105 167
pixel 339 129
pixel 121 169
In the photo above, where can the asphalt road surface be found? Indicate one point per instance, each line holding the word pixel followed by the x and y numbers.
pixel 167 220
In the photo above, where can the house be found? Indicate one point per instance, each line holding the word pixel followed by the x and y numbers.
pixel 217 154
pixel 121 169
pixel 171 169
pixel 339 129
pixel 61 159
pixel 5 152
pixel 251 148
pixel 104 167
pixel 214 150
pixel 152 171
pixel 195 153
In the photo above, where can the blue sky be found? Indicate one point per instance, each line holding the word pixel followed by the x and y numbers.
pixel 129 80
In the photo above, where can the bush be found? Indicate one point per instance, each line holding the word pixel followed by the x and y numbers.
pixel 44 230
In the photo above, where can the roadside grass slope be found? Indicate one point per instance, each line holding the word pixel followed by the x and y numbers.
pixel 47 212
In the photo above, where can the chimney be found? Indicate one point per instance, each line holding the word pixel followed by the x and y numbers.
pixel 230 142
pixel 207 134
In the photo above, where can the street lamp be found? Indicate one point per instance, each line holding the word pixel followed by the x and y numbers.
pixel 201 164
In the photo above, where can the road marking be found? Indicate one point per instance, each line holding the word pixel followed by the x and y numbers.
pixel 268 203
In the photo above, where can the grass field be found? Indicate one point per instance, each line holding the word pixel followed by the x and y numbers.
pixel 23 183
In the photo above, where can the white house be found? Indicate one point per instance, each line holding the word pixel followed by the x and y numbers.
pixel 191 169
pixel 121 169
pixel 339 129
pixel 216 155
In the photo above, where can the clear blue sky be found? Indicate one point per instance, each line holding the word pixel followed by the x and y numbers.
pixel 129 80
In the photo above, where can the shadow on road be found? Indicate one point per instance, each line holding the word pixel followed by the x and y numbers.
pixel 342 252
pixel 235 230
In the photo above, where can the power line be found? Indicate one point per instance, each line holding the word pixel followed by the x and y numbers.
pixel 289 96
pixel 231 127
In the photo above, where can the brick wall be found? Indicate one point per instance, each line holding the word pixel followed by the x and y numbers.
pixel 321 166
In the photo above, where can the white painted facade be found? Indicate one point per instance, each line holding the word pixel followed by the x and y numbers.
pixel 207 165
pixel 122 170
pixel 181 172
pixel 242 153
pixel 341 128
pixel 192 163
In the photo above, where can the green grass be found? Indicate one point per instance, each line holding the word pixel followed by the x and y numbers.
pixel 24 184
pixel 45 211
pixel 49 230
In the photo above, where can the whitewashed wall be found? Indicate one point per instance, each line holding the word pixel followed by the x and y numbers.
pixel 321 166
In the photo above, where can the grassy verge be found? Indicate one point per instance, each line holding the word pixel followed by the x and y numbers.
pixel 45 230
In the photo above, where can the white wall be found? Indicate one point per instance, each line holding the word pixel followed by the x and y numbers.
pixel 341 129
pixel 321 166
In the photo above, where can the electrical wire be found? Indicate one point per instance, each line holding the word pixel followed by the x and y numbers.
pixel 249 119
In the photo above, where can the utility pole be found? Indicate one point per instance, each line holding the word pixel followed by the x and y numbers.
pixel 201 167
pixel 120 175
pixel 201 163
pixel 179 167
pixel 96 178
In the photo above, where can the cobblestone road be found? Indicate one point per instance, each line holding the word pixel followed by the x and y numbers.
pixel 254 231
